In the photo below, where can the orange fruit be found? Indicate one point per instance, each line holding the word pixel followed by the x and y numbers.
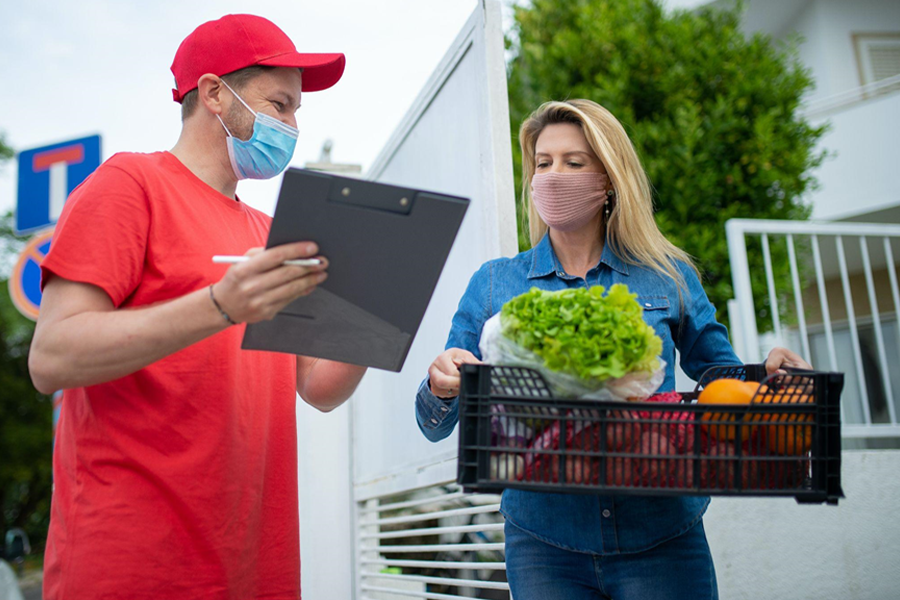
pixel 791 440
pixel 725 391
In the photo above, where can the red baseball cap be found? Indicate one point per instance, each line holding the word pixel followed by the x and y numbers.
pixel 238 41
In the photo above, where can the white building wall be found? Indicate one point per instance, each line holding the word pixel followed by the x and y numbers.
pixel 858 176
pixel 826 28
pixel 861 175
pixel 813 51
pixel 776 548
pixel 326 516
pixel 836 21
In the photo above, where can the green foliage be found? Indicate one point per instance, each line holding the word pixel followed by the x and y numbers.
pixel 713 114
pixel 26 432
pixel 5 151
pixel 583 332
pixel 26 416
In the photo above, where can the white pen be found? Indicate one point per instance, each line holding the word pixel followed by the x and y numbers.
pixel 299 262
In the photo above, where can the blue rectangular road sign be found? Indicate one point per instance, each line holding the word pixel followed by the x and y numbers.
pixel 47 176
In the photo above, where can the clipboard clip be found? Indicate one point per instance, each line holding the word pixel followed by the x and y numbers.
pixel 373 196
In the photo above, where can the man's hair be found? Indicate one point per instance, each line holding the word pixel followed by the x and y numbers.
pixel 236 79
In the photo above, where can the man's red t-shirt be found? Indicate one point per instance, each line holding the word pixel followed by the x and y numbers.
pixel 180 480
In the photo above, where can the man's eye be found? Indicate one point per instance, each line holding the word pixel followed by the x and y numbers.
pixel 279 106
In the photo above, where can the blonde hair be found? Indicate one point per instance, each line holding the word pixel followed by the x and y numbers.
pixel 631 231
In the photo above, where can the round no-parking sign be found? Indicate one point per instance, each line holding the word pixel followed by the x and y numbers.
pixel 25 282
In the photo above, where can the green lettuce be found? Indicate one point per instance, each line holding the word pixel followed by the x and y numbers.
pixel 583 332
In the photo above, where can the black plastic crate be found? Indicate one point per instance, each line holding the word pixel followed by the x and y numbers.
pixel 786 442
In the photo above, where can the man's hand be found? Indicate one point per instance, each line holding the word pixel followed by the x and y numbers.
pixel 257 289
pixel 779 358
pixel 444 371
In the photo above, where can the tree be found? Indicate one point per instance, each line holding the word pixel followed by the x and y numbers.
pixel 26 416
pixel 713 114
pixel 5 151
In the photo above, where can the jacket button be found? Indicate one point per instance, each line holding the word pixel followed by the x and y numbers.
pixel 606 513
pixel 444 409
pixel 435 421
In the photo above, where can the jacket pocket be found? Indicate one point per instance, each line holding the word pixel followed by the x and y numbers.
pixel 657 306
pixel 656 314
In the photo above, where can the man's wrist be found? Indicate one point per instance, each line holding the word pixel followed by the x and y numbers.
pixel 218 307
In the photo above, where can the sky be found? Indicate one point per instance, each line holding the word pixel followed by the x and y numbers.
pixel 73 69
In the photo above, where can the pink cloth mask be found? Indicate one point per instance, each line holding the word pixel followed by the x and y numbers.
pixel 568 201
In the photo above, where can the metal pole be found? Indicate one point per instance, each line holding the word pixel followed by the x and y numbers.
pixel 740 277
pixel 876 325
pixel 854 334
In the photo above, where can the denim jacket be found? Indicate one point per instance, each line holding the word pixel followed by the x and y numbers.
pixel 599 524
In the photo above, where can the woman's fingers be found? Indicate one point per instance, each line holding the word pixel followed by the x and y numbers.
pixel 444 371
pixel 443 385
pixel 444 376
pixel 462 357
pixel 781 358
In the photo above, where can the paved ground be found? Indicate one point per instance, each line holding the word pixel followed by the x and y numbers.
pixel 32 593
pixel 30 585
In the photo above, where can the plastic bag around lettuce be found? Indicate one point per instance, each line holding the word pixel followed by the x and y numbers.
pixel 496 349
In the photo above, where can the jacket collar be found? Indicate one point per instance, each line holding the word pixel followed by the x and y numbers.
pixel 544 261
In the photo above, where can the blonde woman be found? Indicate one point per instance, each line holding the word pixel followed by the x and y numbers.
pixel 590 219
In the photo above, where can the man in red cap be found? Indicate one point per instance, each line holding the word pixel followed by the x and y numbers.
pixel 175 466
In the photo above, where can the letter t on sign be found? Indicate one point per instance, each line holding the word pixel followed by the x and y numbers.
pixel 57 161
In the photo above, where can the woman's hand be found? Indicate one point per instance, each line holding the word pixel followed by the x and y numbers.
pixel 782 357
pixel 443 373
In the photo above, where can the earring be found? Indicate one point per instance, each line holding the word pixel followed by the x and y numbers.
pixel 609 198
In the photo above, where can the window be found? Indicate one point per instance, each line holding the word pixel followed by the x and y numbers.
pixel 878 57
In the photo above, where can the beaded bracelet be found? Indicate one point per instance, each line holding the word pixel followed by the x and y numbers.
pixel 219 308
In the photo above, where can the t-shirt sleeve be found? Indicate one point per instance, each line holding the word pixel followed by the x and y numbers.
pixel 101 237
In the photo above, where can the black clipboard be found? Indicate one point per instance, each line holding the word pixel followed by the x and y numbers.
pixel 386 247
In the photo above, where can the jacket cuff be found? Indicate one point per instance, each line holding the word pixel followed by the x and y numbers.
pixel 431 410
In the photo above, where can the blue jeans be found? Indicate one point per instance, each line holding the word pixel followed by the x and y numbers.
pixel 678 569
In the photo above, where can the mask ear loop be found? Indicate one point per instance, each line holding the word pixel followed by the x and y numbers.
pixel 247 106
pixel 228 131
pixel 235 94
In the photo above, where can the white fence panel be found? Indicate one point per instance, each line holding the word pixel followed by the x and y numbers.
pixel 843 304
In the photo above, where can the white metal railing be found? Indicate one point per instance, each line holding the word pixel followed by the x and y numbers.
pixel 461 531
pixel 822 107
pixel 865 345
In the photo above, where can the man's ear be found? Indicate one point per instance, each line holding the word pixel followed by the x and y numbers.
pixel 209 91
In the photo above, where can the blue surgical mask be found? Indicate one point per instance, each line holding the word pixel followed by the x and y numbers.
pixel 268 151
